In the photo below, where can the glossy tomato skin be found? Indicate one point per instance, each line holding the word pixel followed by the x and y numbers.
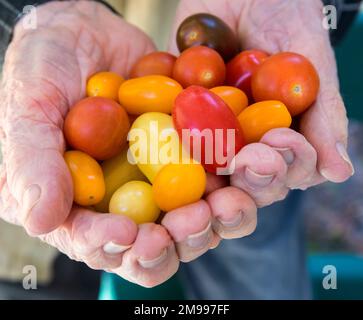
pixel 135 200
pixel 154 63
pixel 204 29
pixel 178 185
pixel 87 177
pixel 288 77
pixel 199 108
pixel 241 68
pixel 105 85
pixel 97 126
pixel 235 98
pixel 261 117
pixel 149 94
pixel 117 171
pixel 200 66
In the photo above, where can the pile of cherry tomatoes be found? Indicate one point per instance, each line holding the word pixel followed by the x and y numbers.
pixel 210 85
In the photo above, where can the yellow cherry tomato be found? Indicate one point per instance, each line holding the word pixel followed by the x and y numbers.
pixel 135 200
pixel 149 93
pixel 261 117
pixel 235 98
pixel 177 185
pixel 155 143
pixel 104 84
pixel 117 171
pixel 87 176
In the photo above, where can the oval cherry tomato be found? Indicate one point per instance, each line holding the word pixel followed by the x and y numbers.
pixel 235 98
pixel 154 143
pixel 177 185
pixel 261 117
pixel 135 200
pixel 87 177
pixel 104 84
pixel 200 66
pixel 149 94
pixel 98 127
pixel 117 171
pixel 241 68
pixel 203 114
pixel 288 77
pixel 204 29
pixel 154 63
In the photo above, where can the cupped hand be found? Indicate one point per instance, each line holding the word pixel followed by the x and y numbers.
pixel 45 73
pixel 285 159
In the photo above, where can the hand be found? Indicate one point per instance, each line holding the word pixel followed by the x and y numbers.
pixel 285 159
pixel 45 73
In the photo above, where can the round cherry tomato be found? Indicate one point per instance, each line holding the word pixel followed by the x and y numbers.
pixel 135 200
pixel 235 98
pixel 207 119
pixel 204 29
pixel 154 63
pixel 177 185
pixel 200 66
pixel 154 143
pixel 261 117
pixel 117 171
pixel 97 126
pixel 104 84
pixel 149 94
pixel 241 68
pixel 87 176
pixel 287 77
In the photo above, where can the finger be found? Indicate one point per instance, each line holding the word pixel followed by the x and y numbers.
pixel 8 205
pixel 261 172
pixel 298 154
pixel 215 182
pixel 191 229
pixel 152 259
pixel 234 213
pixel 97 239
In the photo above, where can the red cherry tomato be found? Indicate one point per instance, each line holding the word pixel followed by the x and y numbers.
pixel 202 110
pixel 97 126
pixel 241 68
pixel 288 77
pixel 200 66
pixel 154 63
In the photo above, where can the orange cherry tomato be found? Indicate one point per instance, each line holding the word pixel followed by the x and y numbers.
pixel 97 126
pixel 149 94
pixel 177 185
pixel 87 176
pixel 154 63
pixel 235 98
pixel 200 66
pixel 261 117
pixel 104 84
pixel 288 77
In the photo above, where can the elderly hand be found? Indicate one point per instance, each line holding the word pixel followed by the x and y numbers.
pixel 285 159
pixel 45 72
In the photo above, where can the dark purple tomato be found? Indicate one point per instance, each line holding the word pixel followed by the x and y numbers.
pixel 204 29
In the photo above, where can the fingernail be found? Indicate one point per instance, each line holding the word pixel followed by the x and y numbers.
pixel 30 198
pixel 113 248
pixel 149 264
pixel 287 154
pixel 235 222
pixel 200 239
pixel 256 180
pixel 344 154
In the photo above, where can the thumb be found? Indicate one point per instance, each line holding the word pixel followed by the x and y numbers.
pixel 37 175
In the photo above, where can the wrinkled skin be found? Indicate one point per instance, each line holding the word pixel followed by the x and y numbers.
pixel 45 72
